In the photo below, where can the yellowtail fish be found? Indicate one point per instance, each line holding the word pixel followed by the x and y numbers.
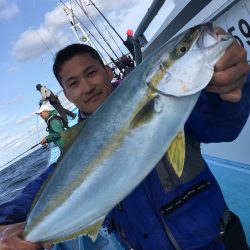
pixel 124 139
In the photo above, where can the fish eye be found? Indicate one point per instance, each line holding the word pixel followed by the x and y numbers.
pixel 181 48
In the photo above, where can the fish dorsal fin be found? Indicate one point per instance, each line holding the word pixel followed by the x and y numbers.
pixel 176 153
pixel 70 134
pixel 146 113
pixel 91 231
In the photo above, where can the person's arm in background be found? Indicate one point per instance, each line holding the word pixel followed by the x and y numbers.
pixel 57 127
pixel 223 108
pixel 45 92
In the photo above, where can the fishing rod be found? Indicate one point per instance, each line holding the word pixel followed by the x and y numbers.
pixel 93 37
pixel 20 155
pixel 110 35
pixel 88 31
pixel 37 32
pixel 74 25
pixel 86 14
pixel 106 20
pixel 45 44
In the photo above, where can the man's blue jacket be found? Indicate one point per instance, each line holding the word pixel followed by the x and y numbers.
pixel 166 212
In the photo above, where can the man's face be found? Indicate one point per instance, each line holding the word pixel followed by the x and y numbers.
pixel 44 114
pixel 86 82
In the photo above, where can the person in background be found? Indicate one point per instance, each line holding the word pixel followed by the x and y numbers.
pixel 128 65
pixel 129 42
pixel 154 216
pixel 48 95
pixel 55 126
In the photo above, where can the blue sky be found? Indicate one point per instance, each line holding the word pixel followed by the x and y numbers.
pixel 32 31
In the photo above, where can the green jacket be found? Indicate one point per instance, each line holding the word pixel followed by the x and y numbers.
pixel 55 127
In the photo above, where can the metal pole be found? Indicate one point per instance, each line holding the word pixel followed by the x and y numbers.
pixel 151 13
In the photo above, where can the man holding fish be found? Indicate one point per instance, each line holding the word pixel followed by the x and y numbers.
pixel 173 204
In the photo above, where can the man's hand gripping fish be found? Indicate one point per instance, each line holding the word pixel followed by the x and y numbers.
pixel 124 139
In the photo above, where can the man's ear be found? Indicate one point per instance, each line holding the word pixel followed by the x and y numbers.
pixel 109 72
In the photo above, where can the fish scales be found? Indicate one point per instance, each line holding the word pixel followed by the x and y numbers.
pixel 110 157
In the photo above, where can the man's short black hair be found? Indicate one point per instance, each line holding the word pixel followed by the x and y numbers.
pixel 70 51
pixel 38 86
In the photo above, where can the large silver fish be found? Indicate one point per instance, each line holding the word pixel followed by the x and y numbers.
pixel 125 138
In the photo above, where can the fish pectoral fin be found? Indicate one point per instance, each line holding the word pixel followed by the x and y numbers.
pixel 176 153
pixel 146 113
pixel 70 134
pixel 93 230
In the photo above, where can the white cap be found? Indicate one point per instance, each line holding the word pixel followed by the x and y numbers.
pixel 44 108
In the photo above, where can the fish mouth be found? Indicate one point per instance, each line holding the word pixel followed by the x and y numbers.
pixel 210 36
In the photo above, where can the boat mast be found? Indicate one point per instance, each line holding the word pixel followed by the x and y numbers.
pixel 76 26
pixel 102 22
pixel 99 32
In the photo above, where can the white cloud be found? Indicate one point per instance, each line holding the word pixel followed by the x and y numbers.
pixel 33 133
pixel 12 101
pixel 35 42
pixel 7 10
pixel 12 69
pixel 8 142
pixel 3 137
pixel 5 120
pixel 17 144
pixel 51 34
pixel 29 44
pixel 118 8
pixel 25 118
pixel 39 130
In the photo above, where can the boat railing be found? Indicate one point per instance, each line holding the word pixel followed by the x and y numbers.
pixel 190 14
pixel 139 38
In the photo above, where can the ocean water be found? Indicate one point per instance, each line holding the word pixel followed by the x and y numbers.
pixel 233 178
pixel 16 176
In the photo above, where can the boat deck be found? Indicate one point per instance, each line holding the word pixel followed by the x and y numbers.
pixel 234 179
